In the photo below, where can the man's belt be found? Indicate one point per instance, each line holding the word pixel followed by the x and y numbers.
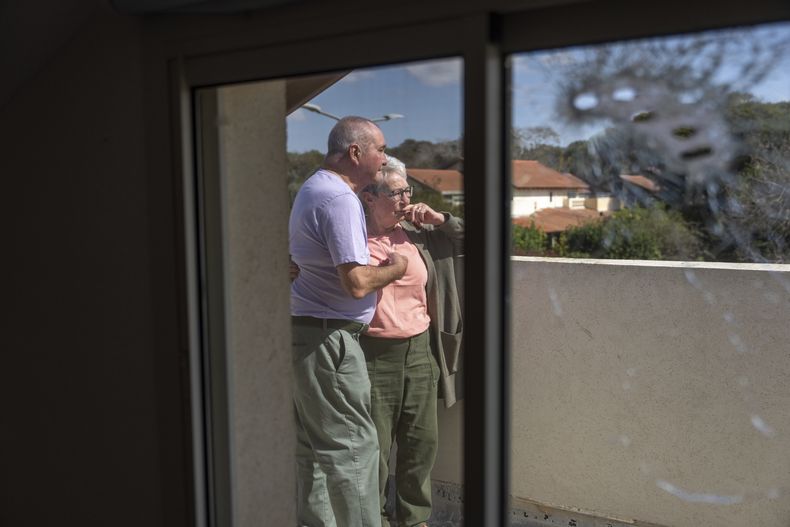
pixel 331 323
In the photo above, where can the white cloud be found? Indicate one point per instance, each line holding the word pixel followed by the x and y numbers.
pixel 437 73
pixel 357 75
pixel 298 115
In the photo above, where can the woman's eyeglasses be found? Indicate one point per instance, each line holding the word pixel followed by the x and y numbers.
pixel 397 194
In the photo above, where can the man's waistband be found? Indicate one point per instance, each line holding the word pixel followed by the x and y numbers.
pixel 355 328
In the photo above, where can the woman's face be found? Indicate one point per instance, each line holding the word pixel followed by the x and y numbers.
pixel 387 206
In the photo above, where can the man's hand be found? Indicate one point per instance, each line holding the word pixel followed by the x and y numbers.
pixel 361 280
pixel 399 263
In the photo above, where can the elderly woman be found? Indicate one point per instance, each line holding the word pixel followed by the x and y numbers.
pixel 413 344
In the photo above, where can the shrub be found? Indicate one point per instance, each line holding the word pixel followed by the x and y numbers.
pixel 528 241
pixel 639 233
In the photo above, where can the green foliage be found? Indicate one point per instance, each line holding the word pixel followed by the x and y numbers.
pixel 549 155
pixel 758 216
pixel 529 241
pixel 577 160
pixel 425 154
pixel 642 233
pixel 301 165
pixel 535 143
pixel 436 201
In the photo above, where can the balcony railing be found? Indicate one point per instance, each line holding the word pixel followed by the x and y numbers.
pixel 649 391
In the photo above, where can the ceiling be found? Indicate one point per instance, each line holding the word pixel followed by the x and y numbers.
pixel 147 7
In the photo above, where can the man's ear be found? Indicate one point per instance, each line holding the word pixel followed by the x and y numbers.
pixel 354 152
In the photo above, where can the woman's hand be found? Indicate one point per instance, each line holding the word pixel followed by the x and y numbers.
pixel 421 214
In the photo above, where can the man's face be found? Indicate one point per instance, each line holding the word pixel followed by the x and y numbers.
pixel 372 157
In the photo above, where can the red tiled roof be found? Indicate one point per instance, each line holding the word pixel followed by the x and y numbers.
pixel 557 220
pixel 533 174
pixel 526 175
pixel 642 181
pixel 440 180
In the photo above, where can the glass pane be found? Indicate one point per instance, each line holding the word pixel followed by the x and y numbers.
pixel 358 334
pixel 651 285
pixel 670 149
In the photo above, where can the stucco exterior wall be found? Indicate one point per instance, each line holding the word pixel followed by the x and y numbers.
pixel 655 392
pixel 526 202
pixel 633 382
pixel 255 200
pixel 602 203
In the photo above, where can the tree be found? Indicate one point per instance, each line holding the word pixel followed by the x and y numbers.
pixel 758 208
pixel 436 201
pixel 576 158
pixel 425 154
pixel 537 143
pixel 300 167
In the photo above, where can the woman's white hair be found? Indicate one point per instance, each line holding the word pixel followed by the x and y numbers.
pixel 394 168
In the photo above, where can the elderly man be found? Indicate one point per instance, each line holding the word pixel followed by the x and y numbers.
pixel 332 302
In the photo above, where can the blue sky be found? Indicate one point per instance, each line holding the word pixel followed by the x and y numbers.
pixel 429 94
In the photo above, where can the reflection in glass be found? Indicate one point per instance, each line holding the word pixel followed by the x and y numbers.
pixel 652 391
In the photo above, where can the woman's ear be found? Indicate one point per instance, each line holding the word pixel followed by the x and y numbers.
pixel 367 197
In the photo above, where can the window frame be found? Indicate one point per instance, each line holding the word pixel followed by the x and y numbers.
pixel 485 490
pixel 183 54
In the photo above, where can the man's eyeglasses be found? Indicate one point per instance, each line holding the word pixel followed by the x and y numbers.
pixel 396 194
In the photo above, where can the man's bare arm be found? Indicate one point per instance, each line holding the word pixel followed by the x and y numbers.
pixel 361 280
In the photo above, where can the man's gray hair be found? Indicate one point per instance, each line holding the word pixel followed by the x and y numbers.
pixel 348 131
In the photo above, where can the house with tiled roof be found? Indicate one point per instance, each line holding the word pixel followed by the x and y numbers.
pixel 449 183
pixel 553 221
pixel 537 187
pixel 554 201
pixel 645 183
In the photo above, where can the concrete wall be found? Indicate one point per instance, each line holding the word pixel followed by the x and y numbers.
pixel 655 391
pixel 255 204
